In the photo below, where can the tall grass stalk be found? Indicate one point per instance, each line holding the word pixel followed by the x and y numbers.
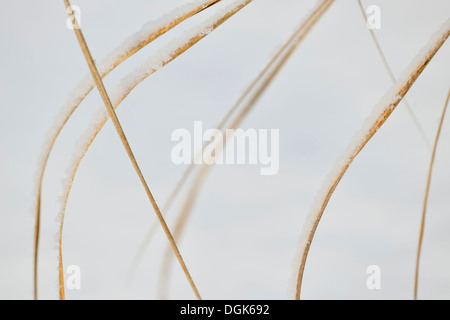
pixel 379 116
pixel 117 59
pixel 427 193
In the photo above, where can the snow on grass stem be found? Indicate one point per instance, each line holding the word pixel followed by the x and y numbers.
pixel 427 192
pixel 165 56
pixel 373 123
pixel 245 104
pixel 132 45
pixel 392 76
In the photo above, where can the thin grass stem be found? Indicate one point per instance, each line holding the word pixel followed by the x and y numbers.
pixel 427 193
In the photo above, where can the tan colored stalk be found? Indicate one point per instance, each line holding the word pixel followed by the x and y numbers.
pixel 393 79
pixel 151 37
pixel 174 55
pixel 246 103
pixel 396 95
pixel 427 192
pixel 118 127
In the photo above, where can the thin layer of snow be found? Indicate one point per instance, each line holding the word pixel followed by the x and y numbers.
pixel 81 147
pixel 386 104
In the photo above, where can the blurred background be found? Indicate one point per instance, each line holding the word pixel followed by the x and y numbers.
pixel 241 240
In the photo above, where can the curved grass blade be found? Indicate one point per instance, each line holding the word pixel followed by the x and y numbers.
pixel 379 116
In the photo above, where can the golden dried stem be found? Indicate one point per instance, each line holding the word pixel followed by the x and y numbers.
pixel 427 192
pixel 245 103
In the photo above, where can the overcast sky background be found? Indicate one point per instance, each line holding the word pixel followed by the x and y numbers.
pixel 242 238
